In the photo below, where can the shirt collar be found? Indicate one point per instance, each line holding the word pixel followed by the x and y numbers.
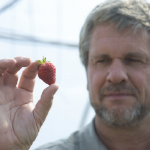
pixel 89 139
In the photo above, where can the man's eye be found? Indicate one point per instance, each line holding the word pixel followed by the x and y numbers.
pixel 130 60
pixel 102 61
pixel 133 60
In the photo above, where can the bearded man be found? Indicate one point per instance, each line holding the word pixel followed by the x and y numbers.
pixel 115 50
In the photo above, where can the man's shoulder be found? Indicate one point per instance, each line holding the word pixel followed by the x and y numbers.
pixel 84 139
pixel 71 143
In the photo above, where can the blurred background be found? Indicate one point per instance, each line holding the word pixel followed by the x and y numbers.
pixel 50 28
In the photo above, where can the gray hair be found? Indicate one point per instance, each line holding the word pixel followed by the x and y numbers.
pixel 124 13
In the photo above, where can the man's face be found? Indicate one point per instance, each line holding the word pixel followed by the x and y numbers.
pixel 118 75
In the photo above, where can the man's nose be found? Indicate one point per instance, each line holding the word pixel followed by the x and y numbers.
pixel 117 73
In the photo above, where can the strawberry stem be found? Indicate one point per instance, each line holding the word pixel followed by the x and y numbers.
pixel 43 61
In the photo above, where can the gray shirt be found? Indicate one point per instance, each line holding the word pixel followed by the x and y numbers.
pixel 84 139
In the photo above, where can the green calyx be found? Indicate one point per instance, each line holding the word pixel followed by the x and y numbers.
pixel 43 61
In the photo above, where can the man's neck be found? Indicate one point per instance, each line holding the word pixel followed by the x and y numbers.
pixel 124 138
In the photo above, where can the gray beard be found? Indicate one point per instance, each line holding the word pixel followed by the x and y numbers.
pixel 123 117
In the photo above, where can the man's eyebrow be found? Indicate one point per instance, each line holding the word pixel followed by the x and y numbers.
pixel 101 56
pixel 135 55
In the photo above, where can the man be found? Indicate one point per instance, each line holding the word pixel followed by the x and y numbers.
pixel 115 50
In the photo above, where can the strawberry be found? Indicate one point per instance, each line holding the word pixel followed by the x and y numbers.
pixel 47 71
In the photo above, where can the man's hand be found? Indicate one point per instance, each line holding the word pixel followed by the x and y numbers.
pixel 20 120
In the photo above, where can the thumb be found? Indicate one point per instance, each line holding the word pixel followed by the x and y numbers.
pixel 44 104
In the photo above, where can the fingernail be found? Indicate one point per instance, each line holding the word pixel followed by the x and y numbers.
pixel 6 60
pixel 23 58
pixel 56 89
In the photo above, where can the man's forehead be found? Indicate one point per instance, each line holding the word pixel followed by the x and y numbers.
pixel 107 40
pixel 107 30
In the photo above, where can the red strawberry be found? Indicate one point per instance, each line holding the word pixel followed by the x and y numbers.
pixel 47 71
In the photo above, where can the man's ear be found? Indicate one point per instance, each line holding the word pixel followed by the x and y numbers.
pixel 87 86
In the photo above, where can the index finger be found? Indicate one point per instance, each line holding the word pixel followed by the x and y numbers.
pixel 27 80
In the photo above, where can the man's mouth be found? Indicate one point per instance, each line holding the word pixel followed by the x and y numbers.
pixel 117 95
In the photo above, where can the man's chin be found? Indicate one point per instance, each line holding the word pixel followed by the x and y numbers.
pixel 122 116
